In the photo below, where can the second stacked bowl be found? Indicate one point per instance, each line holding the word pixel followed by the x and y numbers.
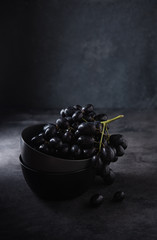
pixel 49 176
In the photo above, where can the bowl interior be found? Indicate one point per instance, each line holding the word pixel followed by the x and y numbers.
pixel 40 161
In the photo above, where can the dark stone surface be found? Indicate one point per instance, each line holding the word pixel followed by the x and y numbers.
pixel 24 216
pixel 56 52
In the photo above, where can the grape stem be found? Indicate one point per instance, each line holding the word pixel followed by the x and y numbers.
pixel 84 120
pixel 101 137
pixel 104 128
pixel 112 119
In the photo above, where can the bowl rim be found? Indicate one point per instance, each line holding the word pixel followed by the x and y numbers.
pixel 50 172
pixel 44 154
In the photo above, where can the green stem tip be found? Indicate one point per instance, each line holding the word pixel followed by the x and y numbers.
pixel 112 119
pixel 104 128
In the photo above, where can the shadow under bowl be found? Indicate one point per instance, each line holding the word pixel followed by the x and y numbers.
pixel 44 162
pixel 58 186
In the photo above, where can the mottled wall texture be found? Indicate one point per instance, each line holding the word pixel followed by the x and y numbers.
pixel 56 53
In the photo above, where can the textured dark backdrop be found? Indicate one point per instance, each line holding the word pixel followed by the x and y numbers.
pixel 55 53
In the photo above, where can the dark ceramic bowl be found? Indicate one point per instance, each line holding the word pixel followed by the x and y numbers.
pixel 43 162
pixel 58 186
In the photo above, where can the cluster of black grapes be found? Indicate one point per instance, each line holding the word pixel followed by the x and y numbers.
pixel 79 133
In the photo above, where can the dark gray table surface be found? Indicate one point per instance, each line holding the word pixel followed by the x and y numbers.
pixel 24 216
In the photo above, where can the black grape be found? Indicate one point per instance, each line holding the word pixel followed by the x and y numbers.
pixel 85 142
pixel 118 139
pixel 70 120
pixel 77 133
pixel 77 116
pixel 37 140
pixel 88 118
pixel 62 113
pixel 118 196
pixel 87 128
pixel 60 133
pixel 115 157
pixel 96 200
pixel 77 107
pixel 64 148
pixel 104 153
pixel 88 108
pixel 76 151
pixel 92 114
pixel 55 142
pixel 90 128
pixel 47 126
pixel 75 125
pixel 68 137
pixel 100 117
pixel 87 153
pixel 97 162
pixel 120 151
pixel 108 154
pixel 50 132
pixel 44 148
pixel 69 111
pixel 62 123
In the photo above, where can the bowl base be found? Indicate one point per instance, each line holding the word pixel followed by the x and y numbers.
pixel 58 186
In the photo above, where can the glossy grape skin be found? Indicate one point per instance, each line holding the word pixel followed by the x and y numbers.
pixel 69 111
pixel 88 108
pixel 94 160
pixel 115 158
pixel 113 155
pixel 77 107
pixel 120 151
pixel 123 143
pixel 70 120
pixel 88 118
pixel 76 151
pixel 85 142
pixel 64 148
pixel 87 128
pixel 75 125
pixel 37 140
pixel 87 153
pixel 107 154
pixel 44 148
pixel 77 134
pixel 50 132
pixel 62 123
pixel 97 162
pixel 55 142
pixel 96 200
pixel 47 126
pixel 62 112
pixel 77 116
pixel 68 137
pixel 60 133
pixel 92 114
pixel 118 196
pixel 90 128
pixel 100 117
pixel 118 139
